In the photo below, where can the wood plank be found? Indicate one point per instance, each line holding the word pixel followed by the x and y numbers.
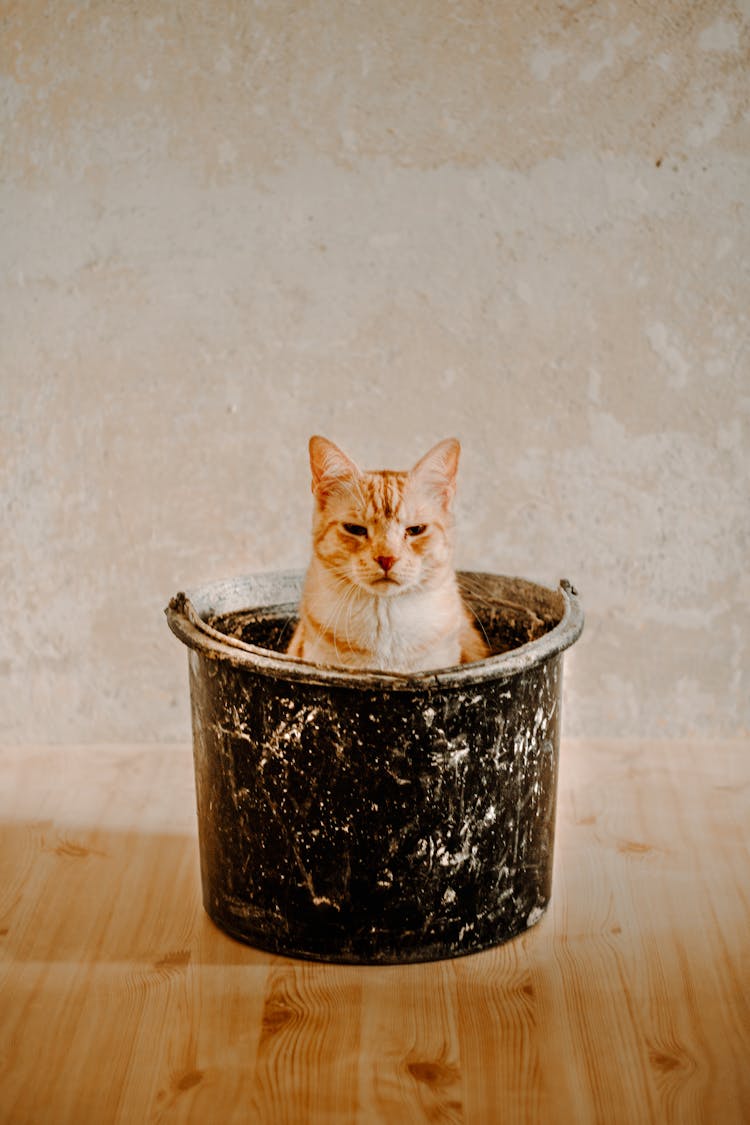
pixel 306 1062
pixel 627 1003
pixel 410 1068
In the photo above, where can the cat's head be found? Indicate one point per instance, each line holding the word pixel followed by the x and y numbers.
pixel 385 532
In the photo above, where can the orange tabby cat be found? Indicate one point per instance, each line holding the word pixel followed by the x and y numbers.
pixel 380 591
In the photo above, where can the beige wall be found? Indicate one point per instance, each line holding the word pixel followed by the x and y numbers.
pixel 228 225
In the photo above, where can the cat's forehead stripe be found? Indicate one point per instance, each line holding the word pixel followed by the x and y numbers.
pixel 386 494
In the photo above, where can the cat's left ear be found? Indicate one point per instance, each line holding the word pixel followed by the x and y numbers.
pixel 329 465
pixel 437 469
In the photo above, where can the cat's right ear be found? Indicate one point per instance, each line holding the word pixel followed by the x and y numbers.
pixel 437 469
pixel 329 466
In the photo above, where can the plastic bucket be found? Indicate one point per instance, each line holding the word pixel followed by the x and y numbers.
pixel 371 817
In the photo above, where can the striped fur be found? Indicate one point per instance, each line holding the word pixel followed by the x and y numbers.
pixel 381 591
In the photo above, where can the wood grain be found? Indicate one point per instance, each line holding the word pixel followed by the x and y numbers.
pixel 122 1003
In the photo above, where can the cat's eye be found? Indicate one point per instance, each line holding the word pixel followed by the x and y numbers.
pixel 355 529
pixel 416 529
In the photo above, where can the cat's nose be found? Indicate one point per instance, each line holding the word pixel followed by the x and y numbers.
pixel 385 561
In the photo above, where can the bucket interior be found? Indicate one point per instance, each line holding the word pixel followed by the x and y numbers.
pixel 510 612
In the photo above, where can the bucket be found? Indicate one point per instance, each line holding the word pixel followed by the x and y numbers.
pixel 372 817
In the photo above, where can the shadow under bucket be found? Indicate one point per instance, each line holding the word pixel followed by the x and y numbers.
pixel 372 817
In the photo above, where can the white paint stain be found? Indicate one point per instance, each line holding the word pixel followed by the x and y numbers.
pixel 593 69
pixel 719 36
pixel 534 916
pixel 662 343
pixel 457 756
pixel 544 60
pixel 322 900
pixel 594 386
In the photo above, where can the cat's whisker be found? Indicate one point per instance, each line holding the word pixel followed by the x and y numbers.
pixel 287 622
pixel 349 606
pixel 479 622
pixel 352 601
pixel 329 626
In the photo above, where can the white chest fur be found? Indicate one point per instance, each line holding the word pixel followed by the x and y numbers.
pixel 408 632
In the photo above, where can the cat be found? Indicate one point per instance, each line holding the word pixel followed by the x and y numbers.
pixel 381 592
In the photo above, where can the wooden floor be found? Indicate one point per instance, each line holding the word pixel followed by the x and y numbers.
pixel 121 1002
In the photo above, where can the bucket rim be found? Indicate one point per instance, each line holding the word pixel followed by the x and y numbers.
pixel 188 626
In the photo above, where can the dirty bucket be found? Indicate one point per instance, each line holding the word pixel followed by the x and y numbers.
pixel 374 817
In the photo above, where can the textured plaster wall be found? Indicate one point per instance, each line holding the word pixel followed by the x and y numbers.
pixel 226 225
